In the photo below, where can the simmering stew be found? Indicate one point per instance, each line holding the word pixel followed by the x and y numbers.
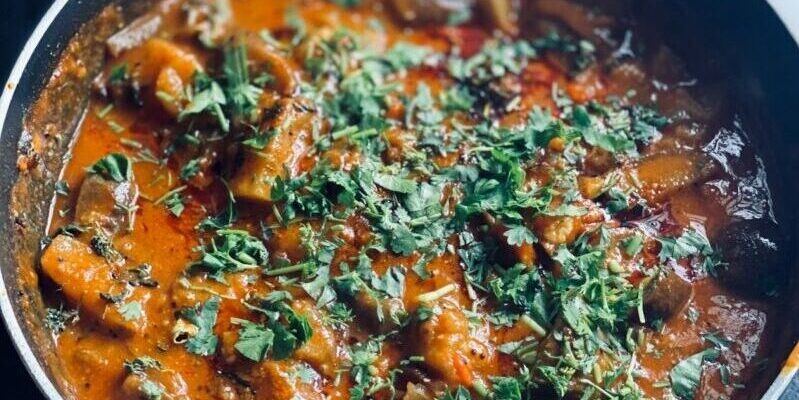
pixel 354 199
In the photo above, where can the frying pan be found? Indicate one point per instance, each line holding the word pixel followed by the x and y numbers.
pixel 745 44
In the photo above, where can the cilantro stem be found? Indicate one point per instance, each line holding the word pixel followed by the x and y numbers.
pixel 479 149
pixel 170 193
pixel 597 371
pixel 436 294
pixel 595 386
pixel 115 127
pixel 344 132
pixel 641 316
pixel 290 269
pixel 354 133
pixel 527 354
pixel 131 143
pixel 232 232
pixel 481 389
pixel 208 290
pixel 538 329
pixel 164 96
pixel 104 111
pixel 364 134
pixel 615 267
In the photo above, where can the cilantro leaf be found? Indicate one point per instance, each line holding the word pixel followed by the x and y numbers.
pixel 254 340
pixel 151 390
pixel 460 393
pixel 260 141
pixel 62 188
pixel 174 203
pixel 519 234
pixel 403 55
pixel 208 97
pixel 395 183
pixel 190 169
pixel 691 243
pixel 506 388
pixel 148 388
pixel 118 73
pixel 403 242
pixel 287 330
pixel 131 311
pixel 224 219
pixel 204 342
pixel 57 319
pixel 115 166
pixel 686 374
pixel 392 283
pixel 284 343
pixel 242 95
pixel 231 251
pixel 141 364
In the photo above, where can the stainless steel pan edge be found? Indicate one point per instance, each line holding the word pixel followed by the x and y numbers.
pixel 786 384
pixel 10 317
pixel 786 10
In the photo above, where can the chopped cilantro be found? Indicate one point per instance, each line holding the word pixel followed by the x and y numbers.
pixel 204 342
pixel 242 95
pixel 57 319
pixel 62 188
pixel 686 374
pixel 115 166
pixel 254 340
pixel 208 97
pixel 190 169
pixel 231 251
pixel 131 311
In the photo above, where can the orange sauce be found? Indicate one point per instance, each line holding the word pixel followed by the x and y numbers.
pixel 94 356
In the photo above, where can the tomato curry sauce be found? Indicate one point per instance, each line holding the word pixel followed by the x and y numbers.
pixel 403 199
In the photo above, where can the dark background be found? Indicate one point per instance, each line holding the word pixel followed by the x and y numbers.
pixel 17 20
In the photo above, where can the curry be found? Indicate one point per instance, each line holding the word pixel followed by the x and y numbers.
pixel 404 200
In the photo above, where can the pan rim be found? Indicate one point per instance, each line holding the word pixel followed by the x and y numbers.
pixel 788 16
pixel 12 325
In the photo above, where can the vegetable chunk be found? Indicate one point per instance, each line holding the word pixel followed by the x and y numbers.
pixel 105 203
pixel 86 278
pixel 259 168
